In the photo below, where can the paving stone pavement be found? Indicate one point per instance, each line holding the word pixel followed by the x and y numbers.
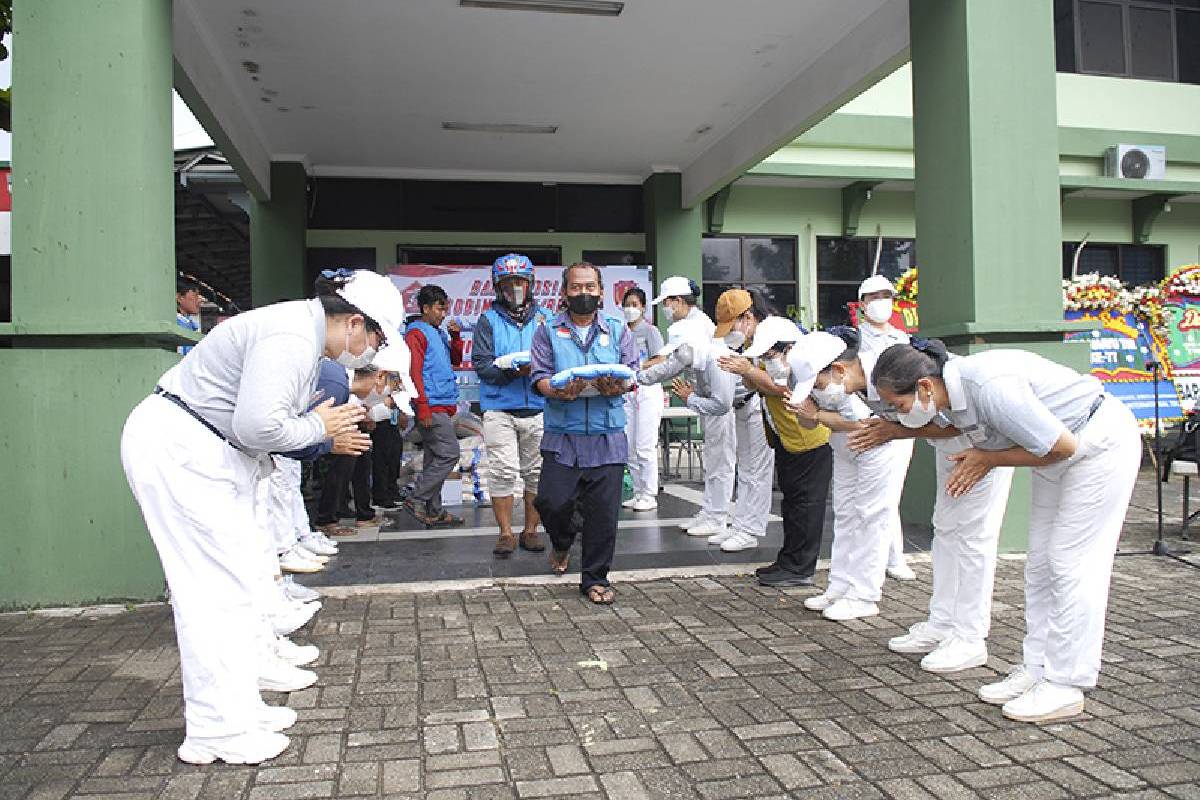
pixel 707 687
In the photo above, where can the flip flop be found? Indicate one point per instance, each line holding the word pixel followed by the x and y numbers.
pixel 600 594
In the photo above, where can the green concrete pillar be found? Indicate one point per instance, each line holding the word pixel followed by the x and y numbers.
pixel 673 233
pixel 93 270
pixel 987 196
pixel 277 237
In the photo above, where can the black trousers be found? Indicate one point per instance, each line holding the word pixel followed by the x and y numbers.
pixel 360 486
pixel 598 493
pixel 387 448
pixel 333 487
pixel 804 480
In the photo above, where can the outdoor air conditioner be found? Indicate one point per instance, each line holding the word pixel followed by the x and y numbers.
pixel 1142 161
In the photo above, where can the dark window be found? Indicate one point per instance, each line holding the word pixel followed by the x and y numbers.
pixel 1148 39
pixel 765 263
pixel 5 288
pixel 1132 264
pixel 842 264
pixel 612 258
pixel 474 254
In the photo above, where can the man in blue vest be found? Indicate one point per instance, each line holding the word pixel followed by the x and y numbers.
pixel 512 410
pixel 584 449
pixel 434 356
pixel 187 308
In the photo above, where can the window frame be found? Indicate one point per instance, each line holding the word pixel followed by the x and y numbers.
pixel 1171 9
pixel 740 281
pixel 817 310
pixel 1121 248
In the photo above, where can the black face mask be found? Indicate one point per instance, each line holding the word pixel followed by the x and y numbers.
pixel 583 304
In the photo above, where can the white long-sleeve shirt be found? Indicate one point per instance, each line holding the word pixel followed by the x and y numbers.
pixel 252 377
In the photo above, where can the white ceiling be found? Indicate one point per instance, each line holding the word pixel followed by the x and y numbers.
pixel 366 84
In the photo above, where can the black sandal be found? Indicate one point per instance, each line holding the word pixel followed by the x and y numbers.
pixel 559 560
pixel 600 594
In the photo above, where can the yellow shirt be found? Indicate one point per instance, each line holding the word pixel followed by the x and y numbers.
pixel 793 437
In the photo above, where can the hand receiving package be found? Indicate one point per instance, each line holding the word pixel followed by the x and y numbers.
pixel 589 372
pixel 513 360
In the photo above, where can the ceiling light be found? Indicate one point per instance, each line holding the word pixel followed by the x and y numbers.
pixel 595 8
pixel 498 127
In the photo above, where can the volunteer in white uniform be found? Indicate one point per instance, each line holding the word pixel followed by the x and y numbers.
pixel 191 452
pixel 755 457
pixel 876 334
pixel 643 408
pixel 1019 409
pixel 865 497
pixel 678 296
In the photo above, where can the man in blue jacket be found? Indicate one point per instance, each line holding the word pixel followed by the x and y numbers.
pixel 512 409
pixel 584 449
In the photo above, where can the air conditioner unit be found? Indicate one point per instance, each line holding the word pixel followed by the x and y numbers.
pixel 1139 161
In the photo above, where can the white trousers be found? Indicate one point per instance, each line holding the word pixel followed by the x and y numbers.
pixel 280 504
pixel 866 501
pixel 197 497
pixel 755 470
pixel 1078 508
pixel 900 452
pixel 643 413
pixel 720 451
pixel 966 530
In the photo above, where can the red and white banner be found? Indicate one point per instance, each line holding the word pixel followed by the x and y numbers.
pixel 469 288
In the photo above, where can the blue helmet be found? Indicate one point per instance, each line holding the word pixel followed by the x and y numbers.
pixel 513 265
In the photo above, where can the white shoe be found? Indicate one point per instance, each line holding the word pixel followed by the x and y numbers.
pixel 629 503
pixel 920 639
pixel 901 572
pixel 737 542
pixel 321 536
pixel 299 560
pixel 722 537
pixel 317 546
pixel 276 675
pixel 296 591
pixel 821 601
pixel 690 521
pixel 298 655
pixel 287 619
pixel 1020 680
pixel 277 718
pixel 1046 701
pixel 246 748
pixel 706 527
pixel 847 608
pixel 644 503
pixel 955 654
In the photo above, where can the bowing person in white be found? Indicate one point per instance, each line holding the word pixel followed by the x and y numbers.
pixel 191 452
pixel 876 334
pixel 865 497
pixel 1019 409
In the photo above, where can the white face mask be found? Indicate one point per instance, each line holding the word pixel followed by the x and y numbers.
pixel 674 313
pixel 735 339
pixel 831 396
pixel 351 361
pixel 778 369
pixel 921 414
pixel 633 313
pixel 879 311
pixel 518 295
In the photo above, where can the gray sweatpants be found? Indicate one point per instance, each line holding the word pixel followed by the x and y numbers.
pixel 440 456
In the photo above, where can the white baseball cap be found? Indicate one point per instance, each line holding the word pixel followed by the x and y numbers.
pixel 770 332
pixel 875 283
pixel 674 286
pixel 814 352
pixel 376 296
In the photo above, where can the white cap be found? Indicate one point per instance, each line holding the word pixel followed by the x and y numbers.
pixel 376 296
pixel 875 283
pixel 675 286
pixel 770 332
pixel 396 359
pixel 814 352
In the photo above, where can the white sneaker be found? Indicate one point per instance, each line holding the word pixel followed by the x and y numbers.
pixel 921 638
pixel 1019 681
pixel 296 591
pixel 276 675
pixel 629 503
pixel 287 619
pixel 246 748
pixel 901 572
pixel 322 537
pixel 299 560
pixel 737 542
pixel 298 655
pixel 277 718
pixel 644 503
pixel 821 601
pixel 317 546
pixel 706 527
pixel 690 521
pixel 847 608
pixel 1046 701
pixel 955 654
